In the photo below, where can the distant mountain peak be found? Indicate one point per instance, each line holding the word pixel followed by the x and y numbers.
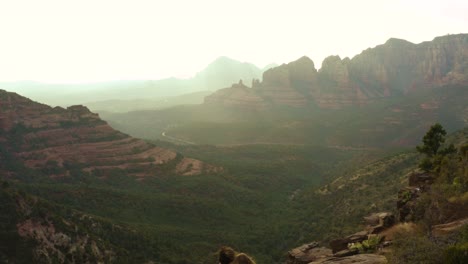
pixel 397 41
pixel 224 59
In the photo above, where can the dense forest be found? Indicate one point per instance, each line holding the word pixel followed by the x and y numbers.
pixel 265 207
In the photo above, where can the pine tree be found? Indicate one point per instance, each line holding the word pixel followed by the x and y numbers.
pixel 432 143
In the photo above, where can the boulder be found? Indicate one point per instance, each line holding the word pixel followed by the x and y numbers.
pixel 385 219
pixel 307 253
pixel 377 222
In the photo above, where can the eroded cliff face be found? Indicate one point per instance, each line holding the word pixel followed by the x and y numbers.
pixel 336 87
pixel 391 69
pixel 289 83
pixel 58 140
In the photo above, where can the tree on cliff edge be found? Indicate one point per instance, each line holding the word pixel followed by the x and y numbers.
pixel 431 147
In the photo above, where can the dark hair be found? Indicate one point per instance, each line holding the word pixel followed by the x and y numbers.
pixel 226 255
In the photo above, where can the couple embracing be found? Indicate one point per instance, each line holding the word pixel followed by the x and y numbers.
pixel 228 255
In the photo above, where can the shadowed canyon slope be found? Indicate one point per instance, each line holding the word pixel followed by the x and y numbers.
pixel 61 140
pixel 393 69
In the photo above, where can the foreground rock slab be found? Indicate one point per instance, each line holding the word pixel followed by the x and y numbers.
pixel 361 258
pixel 307 253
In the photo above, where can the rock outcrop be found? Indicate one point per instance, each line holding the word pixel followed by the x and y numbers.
pixel 392 69
pixel 308 253
pixel 312 253
pixel 349 249
pixel 378 222
pixel 288 84
pixel 420 179
pixel 361 258
pixel 418 183
pixel 59 141
pixel 36 231
pixel 342 243
pixel 53 245
pixel 449 228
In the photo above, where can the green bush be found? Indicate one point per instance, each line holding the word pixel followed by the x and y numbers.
pixel 369 245
pixel 415 249
pixel 456 254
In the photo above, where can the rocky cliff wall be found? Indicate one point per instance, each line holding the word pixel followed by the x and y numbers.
pixel 391 69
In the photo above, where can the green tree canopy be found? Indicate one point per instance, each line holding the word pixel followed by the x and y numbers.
pixel 432 143
pixel 433 140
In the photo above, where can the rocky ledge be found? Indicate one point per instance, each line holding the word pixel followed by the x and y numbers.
pixel 314 254
pixel 371 244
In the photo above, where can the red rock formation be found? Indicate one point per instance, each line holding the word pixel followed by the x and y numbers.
pixel 58 139
pixel 288 84
pixel 392 69
pixel 336 88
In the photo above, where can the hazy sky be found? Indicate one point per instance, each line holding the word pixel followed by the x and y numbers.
pixel 99 40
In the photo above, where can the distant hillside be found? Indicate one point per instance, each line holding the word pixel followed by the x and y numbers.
pixel 122 105
pixel 393 69
pixel 35 230
pixel 65 141
pixel 220 73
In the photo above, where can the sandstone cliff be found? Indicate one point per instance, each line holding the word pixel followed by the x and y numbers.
pixel 58 140
pixel 388 70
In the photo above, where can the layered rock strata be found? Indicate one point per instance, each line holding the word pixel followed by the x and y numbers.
pixel 58 140
pixel 392 69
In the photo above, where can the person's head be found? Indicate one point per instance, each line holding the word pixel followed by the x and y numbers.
pixel 226 255
pixel 242 258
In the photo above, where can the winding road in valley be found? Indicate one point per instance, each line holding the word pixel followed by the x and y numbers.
pixel 177 139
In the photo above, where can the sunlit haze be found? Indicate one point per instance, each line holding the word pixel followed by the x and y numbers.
pixel 100 40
